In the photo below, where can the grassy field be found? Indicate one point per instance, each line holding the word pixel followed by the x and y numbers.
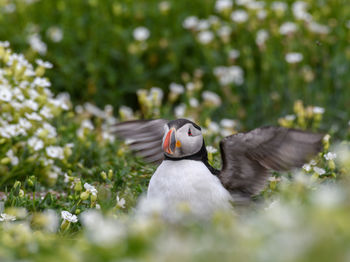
pixel 69 190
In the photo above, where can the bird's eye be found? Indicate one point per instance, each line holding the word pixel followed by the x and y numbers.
pixel 189 132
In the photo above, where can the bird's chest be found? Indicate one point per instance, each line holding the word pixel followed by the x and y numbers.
pixel 187 181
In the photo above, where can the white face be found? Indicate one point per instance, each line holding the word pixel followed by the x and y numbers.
pixel 185 141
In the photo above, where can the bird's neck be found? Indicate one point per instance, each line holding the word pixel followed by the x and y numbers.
pixel 201 155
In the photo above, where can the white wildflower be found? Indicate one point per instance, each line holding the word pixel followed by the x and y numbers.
pixel 319 170
pixel 330 156
pixel 211 98
pixel 228 123
pixel 313 162
pixel 233 54
pixel 176 88
pixel 211 149
pixel 328 196
pixel 318 28
pixel 279 6
pixel 42 82
pixel 44 64
pixel 126 112
pixel 180 110
pixel 203 24
pixel 256 5
pixel 290 117
pixel 5 94
pixel 229 75
pixel 239 16
pixel 90 188
pixel 35 143
pixel 55 152
pixel 221 5
pixel 205 37
pixel 262 14
pixel 190 22
pixel 33 116
pixel 86 123
pixel 288 28
pixel 5 44
pixel 141 33
pixel 37 44
pixel 190 86
pixel 55 34
pixel 51 220
pixel 120 202
pixel 224 31
pixel 293 57
pixel 194 102
pixel 46 112
pixel 12 157
pixel 318 110
pixel 347 24
pixel 261 36
pixel 6 217
pixel 307 167
pixel 299 11
pixel 69 217
pixel 213 127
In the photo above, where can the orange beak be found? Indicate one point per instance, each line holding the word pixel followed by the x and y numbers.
pixel 169 143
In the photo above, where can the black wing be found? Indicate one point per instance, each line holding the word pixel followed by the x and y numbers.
pixel 247 157
pixel 144 137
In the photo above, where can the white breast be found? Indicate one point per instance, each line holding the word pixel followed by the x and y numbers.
pixel 187 182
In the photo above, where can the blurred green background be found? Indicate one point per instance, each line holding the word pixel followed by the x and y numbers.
pixel 97 58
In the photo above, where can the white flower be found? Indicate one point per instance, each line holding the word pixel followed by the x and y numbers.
pixel 261 36
pixel 180 110
pixel 221 5
pixel 12 157
pixel 141 33
pixel 211 149
pixel 126 112
pixel 213 127
pixel 290 117
pixel 194 102
pixel 307 167
pixel 347 24
pixel 330 156
pixel 299 11
pixel 55 34
pixel 120 202
pixel 86 123
pixel 51 220
pixel 69 217
pixel 44 64
pixel 190 22
pixel 42 82
pixel 288 28
pixel 176 89
pixel 90 188
pixel 224 31
pixel 205 37
pixel 6 217
pixel 190 86
pixel 229 75
pixel 239 16
pixel 279 6
pixel 313 162
pixel 5 94
pixel 35 143
pixel 55 152
pixel 203 25
pixel 5 44
pixel 228 123
pixel 233 54
pixel 46 112
pixel 293 57
pixel 33 116
pixel 262 14
pixel 37 44
pixel 24 123
pixel 211 98
pixel 318 110
pixel 319 170
pixel 318 28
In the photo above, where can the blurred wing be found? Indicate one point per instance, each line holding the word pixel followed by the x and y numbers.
pixel 247 157
pixel 144 137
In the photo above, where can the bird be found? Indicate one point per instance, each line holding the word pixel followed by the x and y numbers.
pixel 184 176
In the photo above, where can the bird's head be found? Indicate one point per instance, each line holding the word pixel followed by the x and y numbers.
pixel 182 138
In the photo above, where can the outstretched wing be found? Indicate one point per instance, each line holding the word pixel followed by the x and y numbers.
pixel 247 157
pixel 144 137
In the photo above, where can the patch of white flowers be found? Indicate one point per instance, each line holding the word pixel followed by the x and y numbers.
pixel 26 107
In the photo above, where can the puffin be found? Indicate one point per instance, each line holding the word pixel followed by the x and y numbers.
pixel 184 177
